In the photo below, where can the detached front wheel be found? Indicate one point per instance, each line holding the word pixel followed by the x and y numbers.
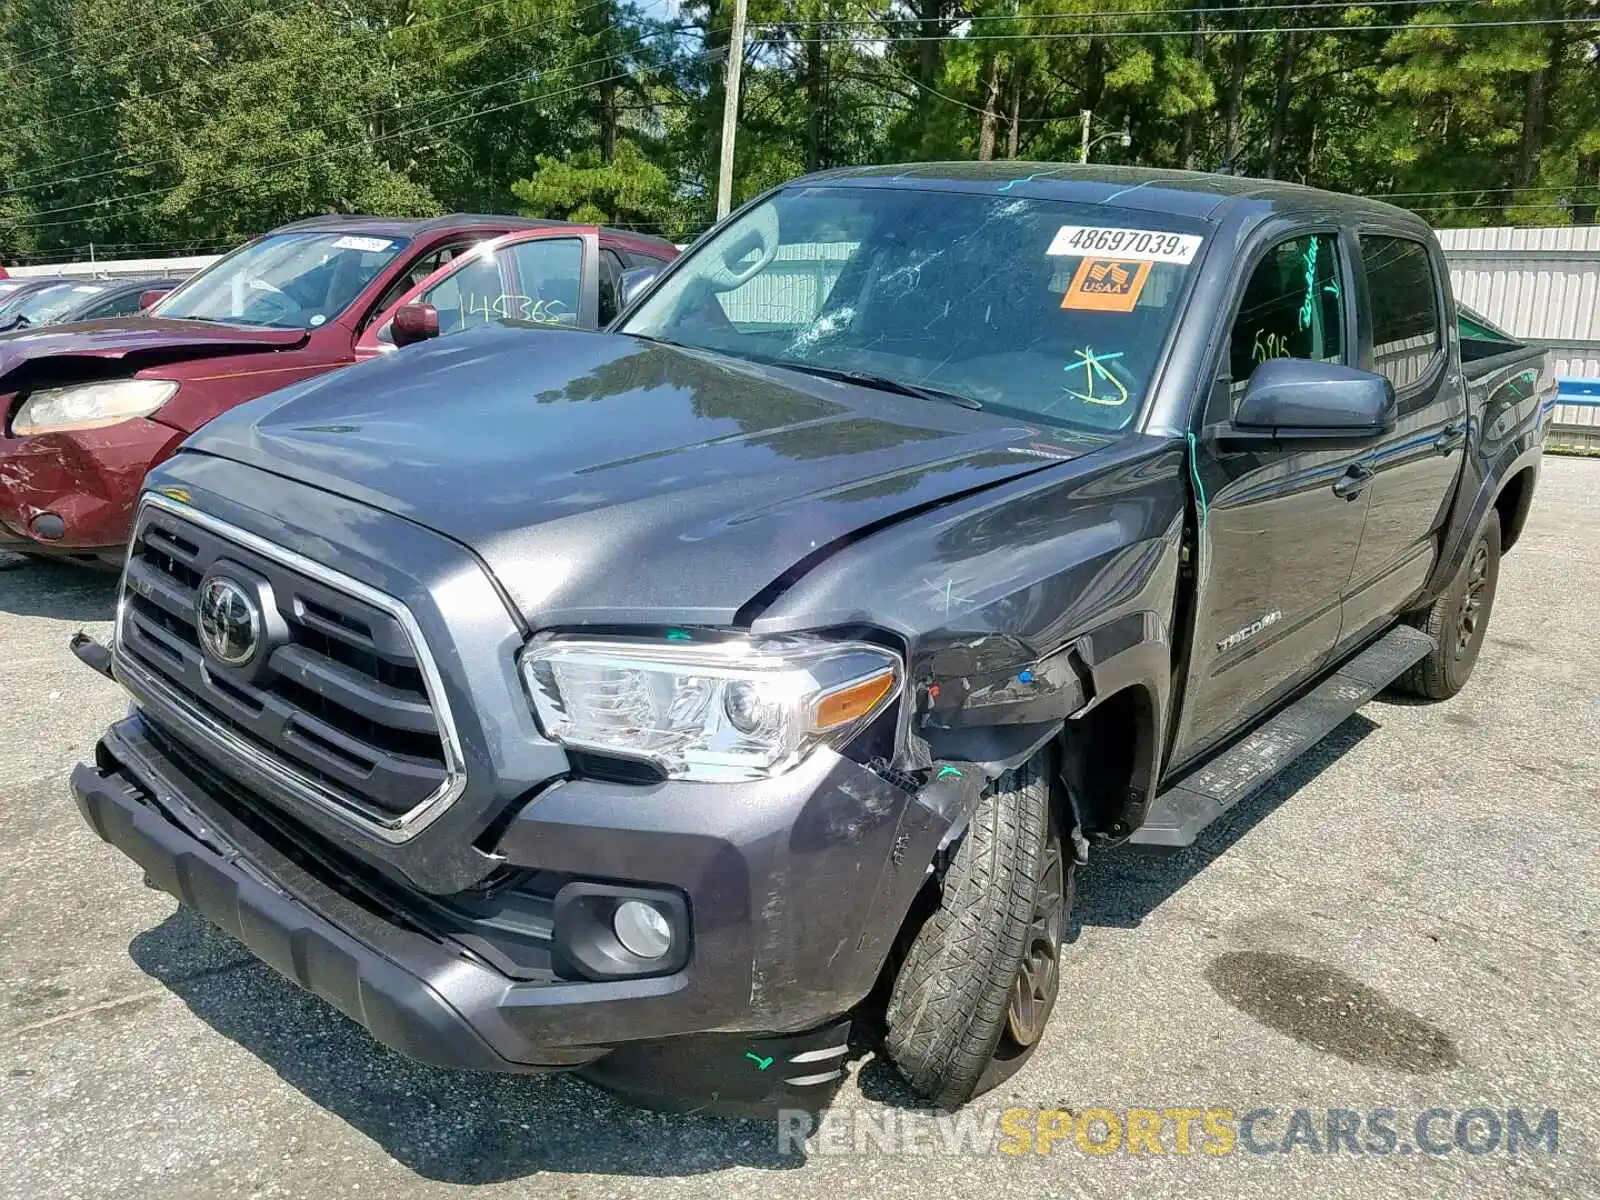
pixel 977 985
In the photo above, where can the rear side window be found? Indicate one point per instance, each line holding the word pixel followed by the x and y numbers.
pixel 1405 318
pixel 1291 308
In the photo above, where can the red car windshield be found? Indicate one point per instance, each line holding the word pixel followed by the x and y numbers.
pixel 285 280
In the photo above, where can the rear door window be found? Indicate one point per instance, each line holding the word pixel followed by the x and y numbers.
pixel 1405 316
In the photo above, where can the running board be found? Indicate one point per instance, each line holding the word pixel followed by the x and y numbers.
pixel 1188 806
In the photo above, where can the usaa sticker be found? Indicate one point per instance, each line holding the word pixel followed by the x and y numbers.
pixel 1106 285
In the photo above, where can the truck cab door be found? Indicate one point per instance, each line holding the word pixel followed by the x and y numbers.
pixel 1282 520
pixel 1416 465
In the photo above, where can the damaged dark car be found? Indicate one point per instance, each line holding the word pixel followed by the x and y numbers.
pixel 696 703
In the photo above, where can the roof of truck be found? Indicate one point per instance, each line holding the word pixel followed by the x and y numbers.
pixel 1188 193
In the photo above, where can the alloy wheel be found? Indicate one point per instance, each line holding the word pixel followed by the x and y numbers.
pixel 1472 599
pixel 1033 993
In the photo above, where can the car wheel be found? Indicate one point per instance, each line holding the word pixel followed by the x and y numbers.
pixel 978 982
pixel 1457 619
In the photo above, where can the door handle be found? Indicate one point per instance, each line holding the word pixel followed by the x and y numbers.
pixel 1353 482
pixel 1451 436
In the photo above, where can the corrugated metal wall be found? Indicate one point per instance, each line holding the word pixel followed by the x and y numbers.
pixel 1541 284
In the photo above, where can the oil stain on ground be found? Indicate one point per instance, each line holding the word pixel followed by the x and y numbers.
pixel 1330 1011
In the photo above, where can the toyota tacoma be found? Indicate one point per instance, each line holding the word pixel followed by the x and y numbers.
pixel 694 703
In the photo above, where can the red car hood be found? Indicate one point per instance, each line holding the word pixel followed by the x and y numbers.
pixel 143 341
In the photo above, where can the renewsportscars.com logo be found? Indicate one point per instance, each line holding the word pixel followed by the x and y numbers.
pixel 1374 1132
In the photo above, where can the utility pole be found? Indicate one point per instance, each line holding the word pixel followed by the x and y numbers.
pixel 1083 142
pixel 730 109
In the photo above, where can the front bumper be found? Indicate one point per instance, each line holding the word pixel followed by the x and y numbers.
pixel 768 987
pixel 74 493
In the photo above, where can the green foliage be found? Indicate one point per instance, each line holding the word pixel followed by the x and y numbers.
pixel 630 190
pixel 162 126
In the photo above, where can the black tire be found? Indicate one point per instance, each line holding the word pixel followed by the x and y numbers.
pixel 1457 619
pixel 951 1026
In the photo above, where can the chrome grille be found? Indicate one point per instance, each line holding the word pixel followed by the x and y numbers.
pixel 342 700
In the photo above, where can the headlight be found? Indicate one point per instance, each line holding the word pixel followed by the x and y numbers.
pixel 726 710
pixel 90 405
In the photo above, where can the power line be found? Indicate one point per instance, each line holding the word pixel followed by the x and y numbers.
pixel 137 50
pixel 1478 191
pixel 471 48
pixel 325 153
pixel 386 31
pixel 1114 13
pixel 1086 34
pixel 50 49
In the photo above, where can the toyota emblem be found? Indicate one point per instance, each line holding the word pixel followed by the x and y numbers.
pixel 230 621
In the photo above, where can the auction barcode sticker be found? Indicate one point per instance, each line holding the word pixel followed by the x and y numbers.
pixel 368 245
pixel 1140 245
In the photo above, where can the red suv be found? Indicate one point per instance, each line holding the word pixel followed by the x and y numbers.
pixel 89 408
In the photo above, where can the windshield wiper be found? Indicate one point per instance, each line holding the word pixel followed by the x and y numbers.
pixel 882 383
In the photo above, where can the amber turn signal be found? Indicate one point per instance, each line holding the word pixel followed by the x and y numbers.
pixel 852 701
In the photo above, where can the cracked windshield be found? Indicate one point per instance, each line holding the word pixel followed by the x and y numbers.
pixel 1034 308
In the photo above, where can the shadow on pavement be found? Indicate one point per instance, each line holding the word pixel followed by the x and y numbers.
pixel 66 591
pixel 1122 887
pixel 449 1126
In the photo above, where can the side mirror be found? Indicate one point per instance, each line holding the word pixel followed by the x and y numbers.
pixel 635 280
pixel 149 296
pixel 414 322
pixel 1298 399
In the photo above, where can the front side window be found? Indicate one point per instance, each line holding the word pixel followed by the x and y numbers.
pixel 544 281
pixel 1292 308
pixel 425 265
pixel 1405 320
pixel 285 280
pixel 467 296
pixel 1037 308
pixel 537 281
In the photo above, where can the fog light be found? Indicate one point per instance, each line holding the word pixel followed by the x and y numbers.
pixel 642 929
pixel 47 525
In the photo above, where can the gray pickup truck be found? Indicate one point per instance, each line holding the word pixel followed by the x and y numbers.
pixel 696 703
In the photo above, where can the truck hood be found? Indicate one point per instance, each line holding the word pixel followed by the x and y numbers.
pixel 607 479
pixel 141 341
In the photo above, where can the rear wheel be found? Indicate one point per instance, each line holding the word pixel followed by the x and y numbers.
pixel 977 985
pixel 1457 620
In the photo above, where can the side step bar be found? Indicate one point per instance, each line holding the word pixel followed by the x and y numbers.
pixel 1188 806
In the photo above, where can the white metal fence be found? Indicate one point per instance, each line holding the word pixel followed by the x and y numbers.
pixel 1540 284
pixel 118 268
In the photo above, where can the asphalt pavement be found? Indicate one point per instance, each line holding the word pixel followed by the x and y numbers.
pixel 1407 921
